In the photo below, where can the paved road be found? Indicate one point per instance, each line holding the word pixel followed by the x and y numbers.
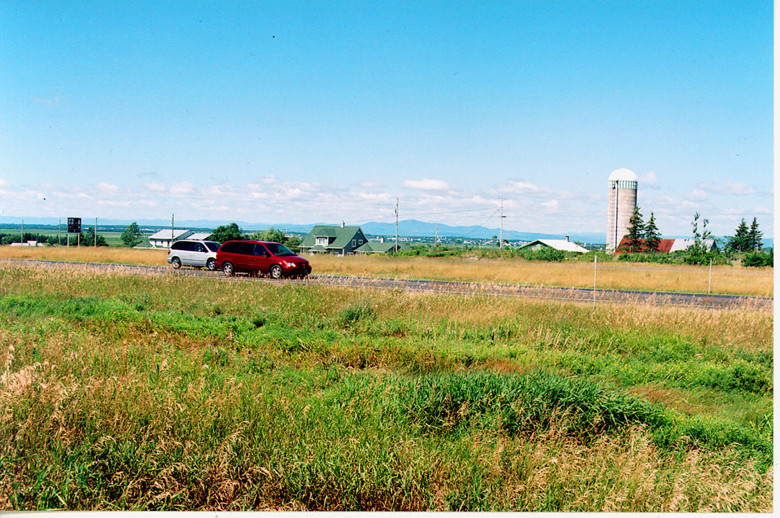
pixel 464 288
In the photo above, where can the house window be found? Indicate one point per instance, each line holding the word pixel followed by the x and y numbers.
pixel 353 243
pixel 323 241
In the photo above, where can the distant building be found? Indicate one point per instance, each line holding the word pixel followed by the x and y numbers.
pixel 622 185
pixel 333 239
pixel 382 246
pixel 666 246
pixel 164 238
pixel 558 244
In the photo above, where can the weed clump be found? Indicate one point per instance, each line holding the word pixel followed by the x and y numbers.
pixel 360 311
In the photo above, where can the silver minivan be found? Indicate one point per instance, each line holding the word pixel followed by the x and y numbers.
pixel 193 253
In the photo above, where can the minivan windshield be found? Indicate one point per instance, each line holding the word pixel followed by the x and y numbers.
pixel 278 250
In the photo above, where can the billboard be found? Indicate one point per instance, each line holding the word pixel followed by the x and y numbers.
pixel 74 225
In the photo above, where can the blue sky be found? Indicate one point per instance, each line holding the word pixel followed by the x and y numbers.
pixel 304 112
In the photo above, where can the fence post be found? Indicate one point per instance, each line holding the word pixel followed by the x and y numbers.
pixel 595 272
pixel 709 285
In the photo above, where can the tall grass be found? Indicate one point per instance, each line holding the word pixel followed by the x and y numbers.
pixel 123 392
pixel 88 254
pixel 611 275
pixel 733 280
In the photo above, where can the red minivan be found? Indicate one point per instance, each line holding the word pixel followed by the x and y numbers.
pixel 261 258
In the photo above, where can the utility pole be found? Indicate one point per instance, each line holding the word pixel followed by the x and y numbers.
pixel 171 229
pixel 396 224
pixel 501 220
pixel 436 239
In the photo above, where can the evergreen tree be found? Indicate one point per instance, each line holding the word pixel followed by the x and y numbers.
pixel 636 229
pixel 652 236
pixel 740 241
pixel 755 235
pixel 89 238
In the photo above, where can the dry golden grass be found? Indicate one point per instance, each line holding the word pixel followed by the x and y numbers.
pixel 734 280
pixel 629 473
pixel 84 254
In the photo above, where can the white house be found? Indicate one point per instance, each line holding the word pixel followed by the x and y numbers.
pixel 164 238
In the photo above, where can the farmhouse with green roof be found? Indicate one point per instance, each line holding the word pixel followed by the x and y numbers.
pixel 333 239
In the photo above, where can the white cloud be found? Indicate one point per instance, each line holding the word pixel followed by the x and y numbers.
pixel 697 195
pixel 732 188
pixel 155 187
pixel 107 188
pixel 370 185
pixel 426 184
pixel 525 188
pixel 182 189
pixel 3 182
pixel 649 180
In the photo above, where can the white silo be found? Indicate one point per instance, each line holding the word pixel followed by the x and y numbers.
pixel 622 202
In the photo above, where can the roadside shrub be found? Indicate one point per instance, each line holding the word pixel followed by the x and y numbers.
pixel 543 254
pixel 649 258
pixel 758 259
pixel 704 258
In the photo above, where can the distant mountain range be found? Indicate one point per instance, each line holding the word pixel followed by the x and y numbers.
pixel 406 228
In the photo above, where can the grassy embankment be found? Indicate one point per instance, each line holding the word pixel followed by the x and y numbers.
pixel 731 280
pixel 174 392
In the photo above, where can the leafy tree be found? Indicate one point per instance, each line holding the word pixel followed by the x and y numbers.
pixel 755 236
pixel 293 243
pixel 226 232
pixel 271 234
pixel 636 229
pixel 132 235
pixel 740 241
pixel 652 236
pixel 699 238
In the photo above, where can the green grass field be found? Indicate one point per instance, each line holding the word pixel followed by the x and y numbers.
pixel 127 392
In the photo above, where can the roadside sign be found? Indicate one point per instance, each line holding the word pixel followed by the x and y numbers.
pixel 74 225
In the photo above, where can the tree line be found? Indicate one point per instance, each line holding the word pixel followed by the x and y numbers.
pixel 84 238
pixel 644 238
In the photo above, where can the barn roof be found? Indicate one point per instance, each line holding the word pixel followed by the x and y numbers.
pixel 665 246
pixel 558 244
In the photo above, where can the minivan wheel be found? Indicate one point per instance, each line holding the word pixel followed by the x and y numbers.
pixel 211 264
pixel 276 272
pixel 228 269
pixel 176 263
